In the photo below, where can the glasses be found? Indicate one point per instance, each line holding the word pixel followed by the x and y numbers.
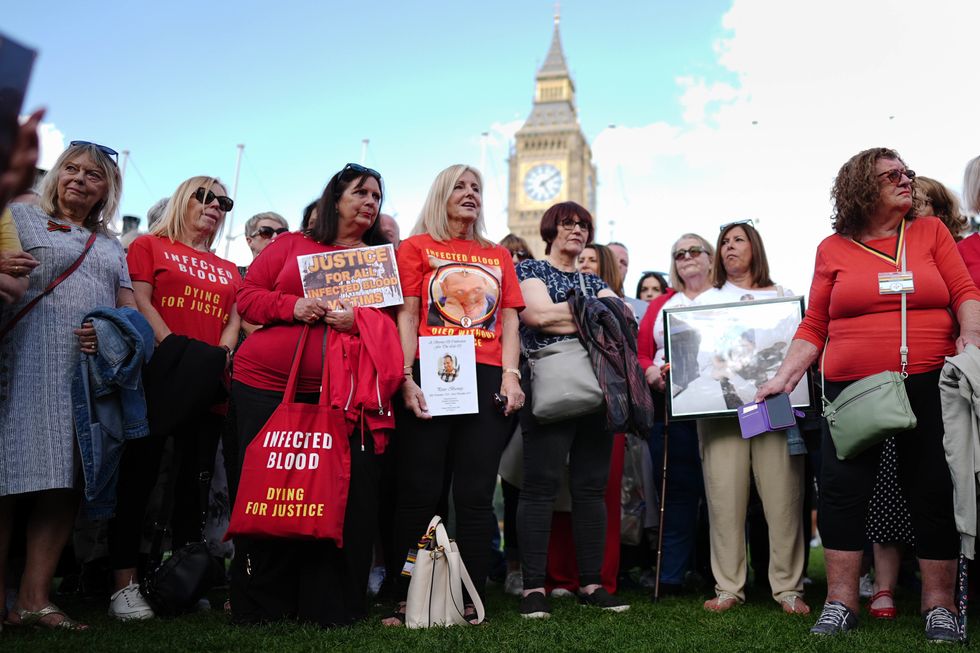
pixel 108 151
pixel 268 232
pixel 895 175
pixel 359 170
pixel 692 252
pixel 205 197
pixel 737 223
pixel 570 224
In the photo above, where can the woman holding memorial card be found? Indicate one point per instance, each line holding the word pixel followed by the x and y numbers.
pixel 317 581
pixel 456 283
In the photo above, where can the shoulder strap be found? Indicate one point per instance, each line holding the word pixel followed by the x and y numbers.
pixel 6 328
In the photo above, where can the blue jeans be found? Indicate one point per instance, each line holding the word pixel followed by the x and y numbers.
pixel 685 491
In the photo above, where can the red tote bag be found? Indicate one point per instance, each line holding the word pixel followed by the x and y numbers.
pixel 296 474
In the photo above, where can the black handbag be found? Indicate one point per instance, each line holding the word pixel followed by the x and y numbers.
pixel 180 581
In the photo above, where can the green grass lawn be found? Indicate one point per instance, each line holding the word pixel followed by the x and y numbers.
pixel 676 624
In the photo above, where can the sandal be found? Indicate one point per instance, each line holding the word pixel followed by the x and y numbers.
pixel 34 617
pixel 794 604
pixel 889 612
pixel 722 603
pixel 396 618
pixel 471 616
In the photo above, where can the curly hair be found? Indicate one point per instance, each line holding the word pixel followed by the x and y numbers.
pixel 856 191
pixel 945 206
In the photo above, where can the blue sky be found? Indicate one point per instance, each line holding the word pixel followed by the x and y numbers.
pixel 179 84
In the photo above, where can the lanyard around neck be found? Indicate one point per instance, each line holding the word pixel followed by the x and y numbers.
pixel 895 260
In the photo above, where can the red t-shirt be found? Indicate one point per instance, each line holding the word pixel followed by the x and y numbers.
pixel 193 291
pixel 865 326
pixel 969 249
pixel 269 293
pixel 461 287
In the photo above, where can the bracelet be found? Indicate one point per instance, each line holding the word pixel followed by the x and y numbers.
pixel 513 371
pixel 407 368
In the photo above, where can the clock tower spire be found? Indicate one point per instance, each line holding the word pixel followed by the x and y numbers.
pixel 551 161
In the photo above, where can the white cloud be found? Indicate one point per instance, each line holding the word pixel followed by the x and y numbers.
pixel 52 142
pixel 812 89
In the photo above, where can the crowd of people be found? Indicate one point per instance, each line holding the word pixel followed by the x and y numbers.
pixel 199 354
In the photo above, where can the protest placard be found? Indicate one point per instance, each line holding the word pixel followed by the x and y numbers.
pixel 364 276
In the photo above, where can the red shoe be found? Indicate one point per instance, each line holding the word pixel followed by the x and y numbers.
pixel 883 613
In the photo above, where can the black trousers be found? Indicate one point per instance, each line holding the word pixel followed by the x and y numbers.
pixel 312 581
pixel 847 485
pixel 195 444
pixel 465 448
pixel 587 447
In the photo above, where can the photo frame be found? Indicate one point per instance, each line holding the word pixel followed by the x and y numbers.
pixel 720 354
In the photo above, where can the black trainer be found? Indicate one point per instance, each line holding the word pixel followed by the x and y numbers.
pixel 604 600
pixel 835 618
pixel 535 606
pixel 942 626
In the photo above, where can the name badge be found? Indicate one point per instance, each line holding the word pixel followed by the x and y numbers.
pixel 895 283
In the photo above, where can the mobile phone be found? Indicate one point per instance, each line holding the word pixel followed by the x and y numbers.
pixel 499 401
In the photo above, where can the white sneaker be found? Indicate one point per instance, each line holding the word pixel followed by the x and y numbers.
pixel 867 587
pixel 514 583
pixel 128 604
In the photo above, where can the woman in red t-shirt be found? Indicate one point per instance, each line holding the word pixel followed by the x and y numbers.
pixel 854 315
pixel 316 581
pixel 456 282
pixel 187 294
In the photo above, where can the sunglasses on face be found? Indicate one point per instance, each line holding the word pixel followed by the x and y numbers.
pixel 570 224
pixel 268 232
pixel 108 151
pixel 205 197
pixel 692 252
pixel 895 176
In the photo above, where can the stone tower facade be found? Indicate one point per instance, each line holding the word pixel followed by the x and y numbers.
pixel 551 161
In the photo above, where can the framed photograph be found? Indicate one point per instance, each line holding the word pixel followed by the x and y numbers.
pixel 720 354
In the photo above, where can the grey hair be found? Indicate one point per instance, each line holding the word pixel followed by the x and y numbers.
pixel 253 222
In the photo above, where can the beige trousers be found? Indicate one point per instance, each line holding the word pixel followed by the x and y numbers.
pixel 727 460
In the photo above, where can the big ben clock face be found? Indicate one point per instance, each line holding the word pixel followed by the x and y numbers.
pixel 542 182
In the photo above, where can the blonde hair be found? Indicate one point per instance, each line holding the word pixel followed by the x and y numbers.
pixel 173 223
pixel 434 221
pixel 971 186
pixel 675 278
pixel 100 217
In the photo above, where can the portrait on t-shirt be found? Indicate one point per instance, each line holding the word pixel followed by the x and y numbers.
pixel 463 294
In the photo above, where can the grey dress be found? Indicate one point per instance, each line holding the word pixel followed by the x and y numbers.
pixel 38 357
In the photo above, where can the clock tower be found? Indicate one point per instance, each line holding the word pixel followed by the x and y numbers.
pixel 551 161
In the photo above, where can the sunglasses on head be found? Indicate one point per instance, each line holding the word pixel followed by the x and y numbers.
pixel 205 197
pixel 108 151
pixel 737 223
pixel 358 170
pixel 694 251
pixel 268 232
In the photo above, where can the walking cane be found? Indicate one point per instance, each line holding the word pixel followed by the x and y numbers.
pixel 663 492
pixel 962 591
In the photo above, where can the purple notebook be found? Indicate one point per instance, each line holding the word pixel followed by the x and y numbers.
pixel 775 413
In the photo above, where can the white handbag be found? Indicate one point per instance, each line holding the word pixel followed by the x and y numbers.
pixel 435 593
